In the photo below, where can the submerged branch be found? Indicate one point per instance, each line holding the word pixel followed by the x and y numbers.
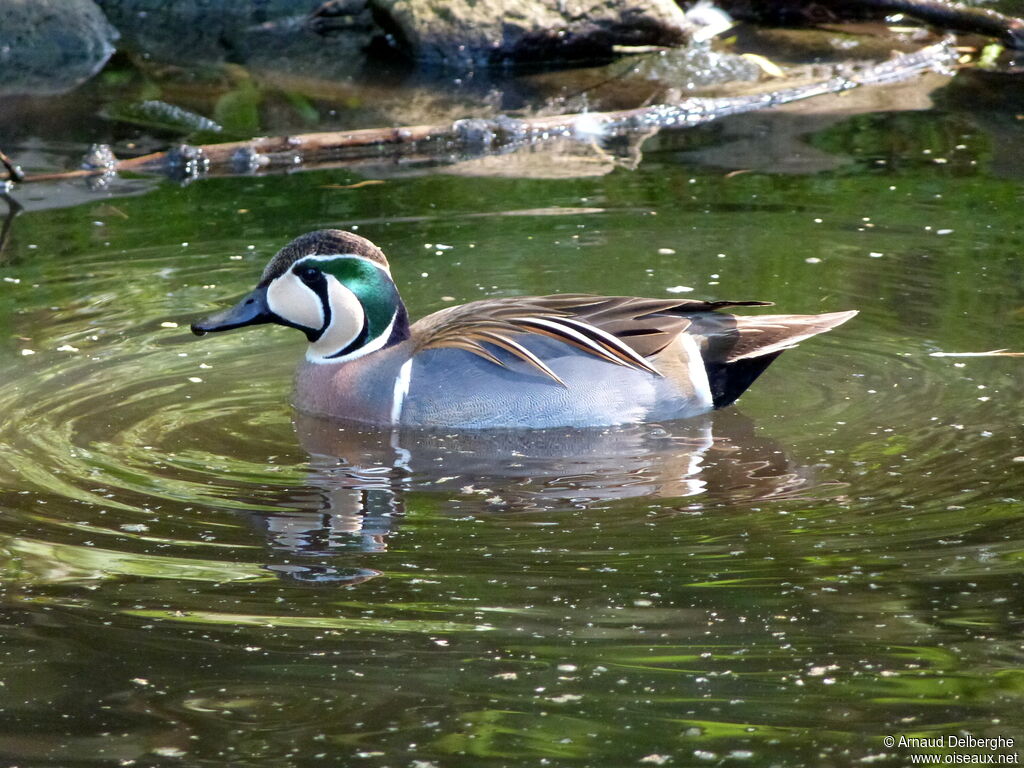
pixel 13 172
pixel 1007 29
pixel 477 137
pixel 13 209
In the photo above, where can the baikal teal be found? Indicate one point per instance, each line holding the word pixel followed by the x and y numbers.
pixel 524 362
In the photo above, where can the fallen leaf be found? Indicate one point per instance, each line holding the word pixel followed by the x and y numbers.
pixel 770 68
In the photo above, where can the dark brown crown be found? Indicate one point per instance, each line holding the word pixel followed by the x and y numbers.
pixel 323 242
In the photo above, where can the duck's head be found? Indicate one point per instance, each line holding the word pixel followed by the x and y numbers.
pixel 332 285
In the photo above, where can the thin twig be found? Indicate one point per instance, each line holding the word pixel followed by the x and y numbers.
pixel 13 209
pixel 990 353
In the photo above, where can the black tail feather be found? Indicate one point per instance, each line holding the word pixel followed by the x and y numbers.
pixel 730 380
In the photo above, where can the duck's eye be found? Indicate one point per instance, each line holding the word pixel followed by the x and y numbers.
pixel 307 274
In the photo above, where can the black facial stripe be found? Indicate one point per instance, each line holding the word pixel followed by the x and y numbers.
pixel 315 280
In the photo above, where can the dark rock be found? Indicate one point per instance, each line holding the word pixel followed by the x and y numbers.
pixel 300 37
pixel 467 34
pixel 51 46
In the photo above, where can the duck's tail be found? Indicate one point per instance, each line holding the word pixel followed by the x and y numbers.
pixel 737 348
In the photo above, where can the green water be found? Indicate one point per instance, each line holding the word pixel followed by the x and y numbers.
pixel 192 575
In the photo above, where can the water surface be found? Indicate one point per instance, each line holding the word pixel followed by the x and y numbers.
pixel 193 574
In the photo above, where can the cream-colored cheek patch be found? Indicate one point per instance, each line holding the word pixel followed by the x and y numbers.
pixel 291 299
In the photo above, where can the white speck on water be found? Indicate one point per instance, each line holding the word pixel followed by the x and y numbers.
pixel 14 280
pixel 195 379
pixel 666 251
pixel 817 221
pixel 67 348
pixel 655 759
pixel 135 527
pixel 943 231
pixel 250 247
pixel 27 352
pixel 168 324
pixel 813 260
pixel 679 289
pixel 235 257
pixel 184 245
pixel 875 255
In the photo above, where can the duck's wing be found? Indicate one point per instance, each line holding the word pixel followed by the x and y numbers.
pixel 624 330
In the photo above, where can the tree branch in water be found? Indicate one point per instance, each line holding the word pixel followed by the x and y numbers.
pixel 477 137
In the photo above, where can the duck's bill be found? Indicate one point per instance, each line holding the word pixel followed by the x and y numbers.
pixel 252 310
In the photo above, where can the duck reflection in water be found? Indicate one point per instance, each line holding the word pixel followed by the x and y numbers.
pixel 360 476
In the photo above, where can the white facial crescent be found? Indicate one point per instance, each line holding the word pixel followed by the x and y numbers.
pixel 347 318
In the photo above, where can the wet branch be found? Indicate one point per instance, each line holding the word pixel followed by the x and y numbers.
pixel 984 21
pixel 13 171
pixel 476 137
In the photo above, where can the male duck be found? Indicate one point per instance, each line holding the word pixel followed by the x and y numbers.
pixel 530 361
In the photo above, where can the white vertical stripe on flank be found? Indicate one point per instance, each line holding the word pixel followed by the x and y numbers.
pixel 401 390
pixel 698 374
